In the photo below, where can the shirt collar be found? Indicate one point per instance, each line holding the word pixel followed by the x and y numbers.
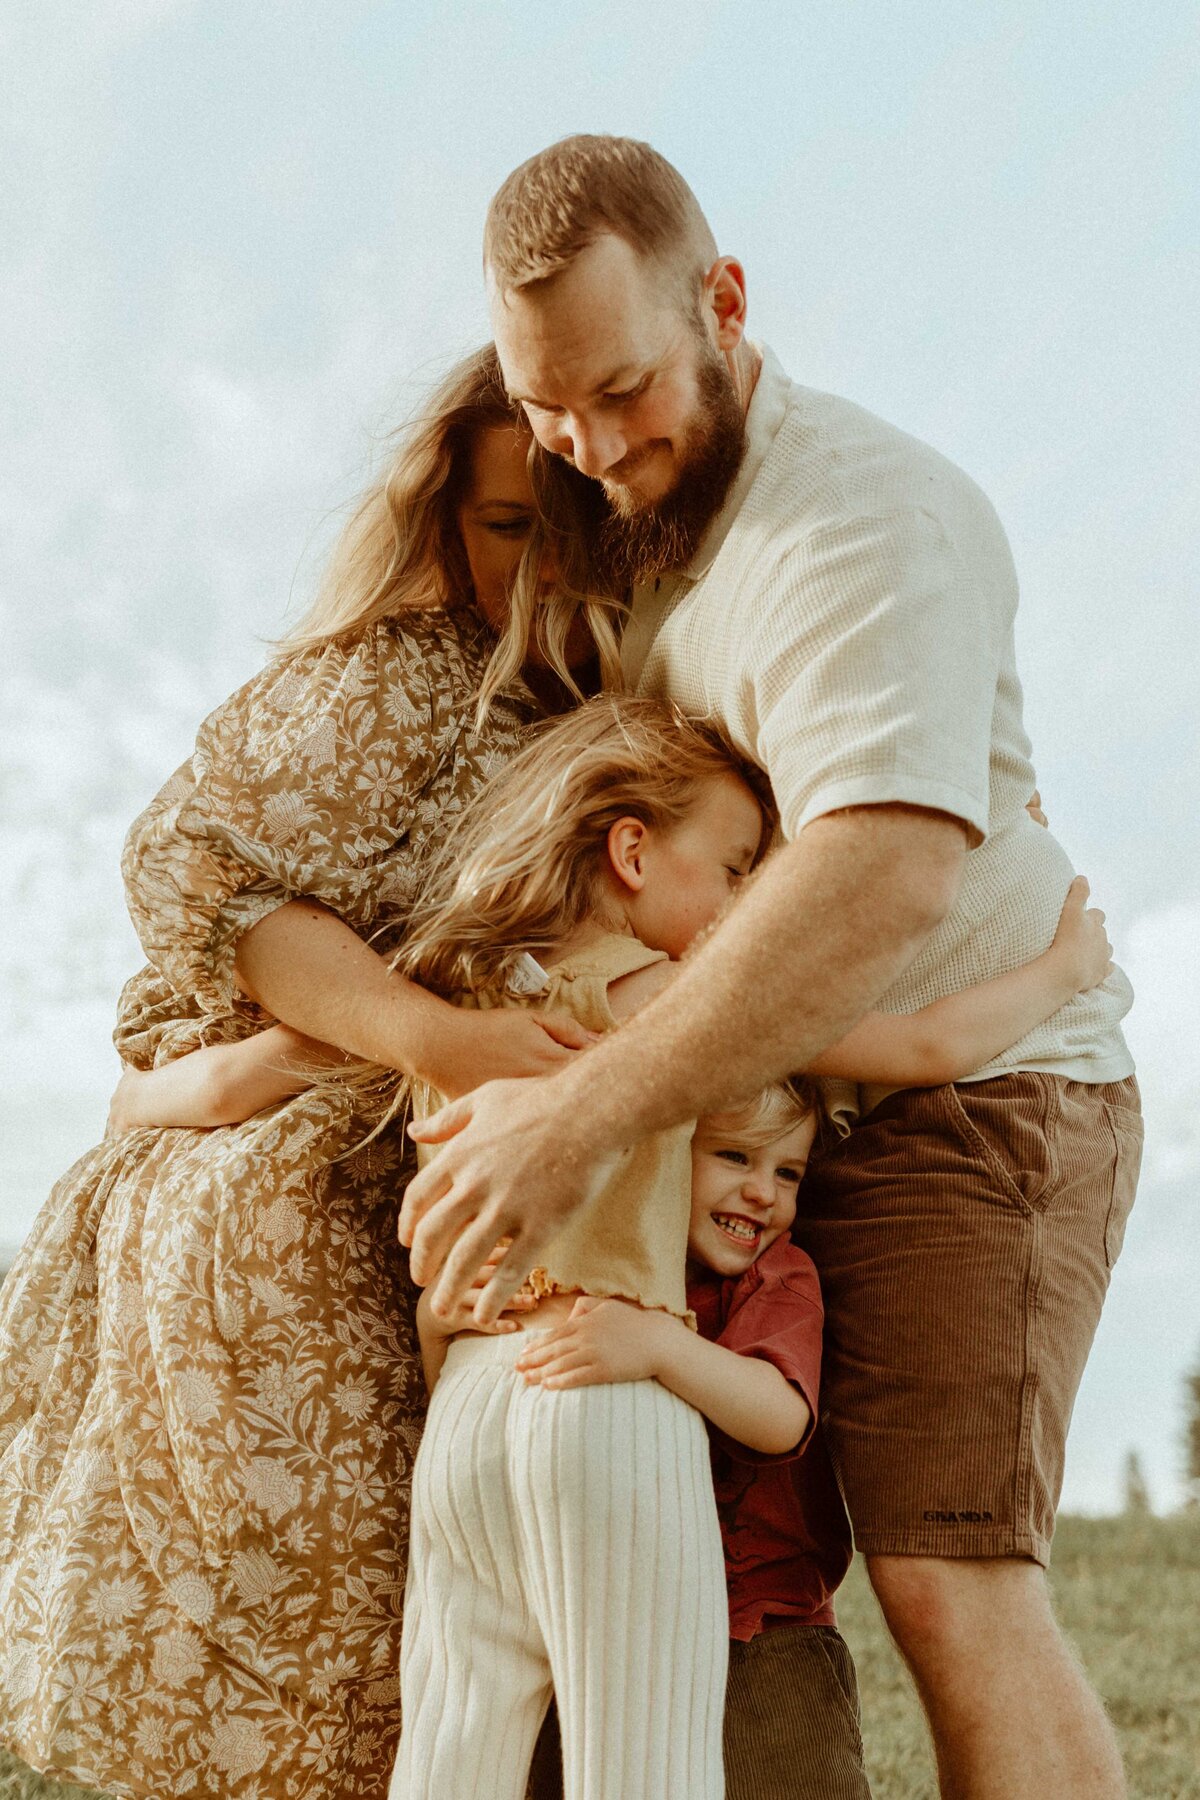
pixel 768 404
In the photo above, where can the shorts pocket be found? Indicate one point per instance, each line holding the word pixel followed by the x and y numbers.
pixel 972 1137
pixel 1127 1135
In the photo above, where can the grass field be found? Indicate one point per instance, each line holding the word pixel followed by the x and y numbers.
pixel 1128 1594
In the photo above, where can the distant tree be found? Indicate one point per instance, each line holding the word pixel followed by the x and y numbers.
pixel 1137 1494
pixel 1191 1437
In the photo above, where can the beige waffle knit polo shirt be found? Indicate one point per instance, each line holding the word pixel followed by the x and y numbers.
pixel 849 621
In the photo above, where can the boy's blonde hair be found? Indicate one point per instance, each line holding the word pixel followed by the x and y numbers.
pixel 518 869
pixel 777 1109
pixel 402 549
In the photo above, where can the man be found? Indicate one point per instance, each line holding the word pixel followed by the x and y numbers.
pixel 842 599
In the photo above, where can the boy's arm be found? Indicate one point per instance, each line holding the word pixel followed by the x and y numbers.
pixel 221 1084
pixel 959 1034
pixel 746 1397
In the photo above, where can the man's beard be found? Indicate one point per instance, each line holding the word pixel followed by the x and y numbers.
pixel 639 543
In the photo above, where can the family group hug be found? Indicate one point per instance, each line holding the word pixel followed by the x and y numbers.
pixel 625 1100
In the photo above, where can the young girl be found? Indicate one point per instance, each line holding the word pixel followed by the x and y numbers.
pixel 568 1540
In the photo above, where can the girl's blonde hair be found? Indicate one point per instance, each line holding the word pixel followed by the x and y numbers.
pixel 402 548
pixel 518 870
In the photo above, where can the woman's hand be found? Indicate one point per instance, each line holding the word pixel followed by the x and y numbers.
pixel 470 1048
pixel 601 1341
pixel 1033 806
pixel 462 1316
pixel 1081 942
pixel 126 1109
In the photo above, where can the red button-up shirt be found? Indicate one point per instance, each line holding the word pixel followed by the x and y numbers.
pixel 785 1530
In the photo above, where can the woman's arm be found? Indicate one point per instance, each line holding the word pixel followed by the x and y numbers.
pixel 746 1397
pixel 291 777
pixel 308 968
pixel 959 1034
pixel 221 1084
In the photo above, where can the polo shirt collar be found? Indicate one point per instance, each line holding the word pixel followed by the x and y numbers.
pixel 768 404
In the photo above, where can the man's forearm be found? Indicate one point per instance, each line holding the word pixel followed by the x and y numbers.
pixel 826 927
pixel 311 971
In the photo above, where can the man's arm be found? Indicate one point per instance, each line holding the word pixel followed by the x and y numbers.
pixel 312 972
pixel 827 926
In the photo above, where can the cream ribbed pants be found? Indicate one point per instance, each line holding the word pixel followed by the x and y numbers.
pixel 565 1541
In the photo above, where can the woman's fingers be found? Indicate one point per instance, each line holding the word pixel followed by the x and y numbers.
pixel 445 1123
pixel 566 1031
pixel 467 1253
pixel 510 1273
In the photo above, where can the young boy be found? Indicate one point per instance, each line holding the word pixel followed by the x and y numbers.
pixel 753 1369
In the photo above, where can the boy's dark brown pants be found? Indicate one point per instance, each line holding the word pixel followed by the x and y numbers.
pixel 791 1722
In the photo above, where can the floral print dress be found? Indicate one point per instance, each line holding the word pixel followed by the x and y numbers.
pixel 210 1396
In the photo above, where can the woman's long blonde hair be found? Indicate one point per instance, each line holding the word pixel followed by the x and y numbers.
pixel 402 549
pixel 519 869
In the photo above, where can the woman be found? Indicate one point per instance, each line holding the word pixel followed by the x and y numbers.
pixel 209 1390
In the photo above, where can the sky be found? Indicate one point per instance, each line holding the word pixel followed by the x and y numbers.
pixel 239 240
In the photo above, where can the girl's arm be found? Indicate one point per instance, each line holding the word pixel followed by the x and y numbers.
pixel 959 1034
pixel 221 1084
pixel 612 1340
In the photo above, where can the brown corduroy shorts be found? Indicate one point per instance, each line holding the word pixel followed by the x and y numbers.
pixel 964 1237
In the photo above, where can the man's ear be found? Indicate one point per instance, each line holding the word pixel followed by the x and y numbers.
pixel 626 845
pixel 725 298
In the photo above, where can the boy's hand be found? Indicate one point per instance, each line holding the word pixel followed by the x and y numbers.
pixel 602 1341
pixel 1081 942
pixel 463 1316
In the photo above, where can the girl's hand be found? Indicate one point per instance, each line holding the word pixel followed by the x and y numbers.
pixel 463 1316
pixel 474 1047
pixel 602 1341
pixel 1081 942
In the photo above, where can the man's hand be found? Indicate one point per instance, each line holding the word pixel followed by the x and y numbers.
pixel 758 998
pixel 519 1173
pixel 602 1341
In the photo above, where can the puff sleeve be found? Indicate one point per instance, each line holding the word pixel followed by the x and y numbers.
pixel 311 780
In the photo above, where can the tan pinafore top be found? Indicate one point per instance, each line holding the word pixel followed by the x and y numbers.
pixel 631 1240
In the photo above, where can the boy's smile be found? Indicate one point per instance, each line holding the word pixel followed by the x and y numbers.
pixel 743 1193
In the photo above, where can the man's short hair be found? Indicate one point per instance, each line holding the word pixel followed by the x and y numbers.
pixel 566 196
